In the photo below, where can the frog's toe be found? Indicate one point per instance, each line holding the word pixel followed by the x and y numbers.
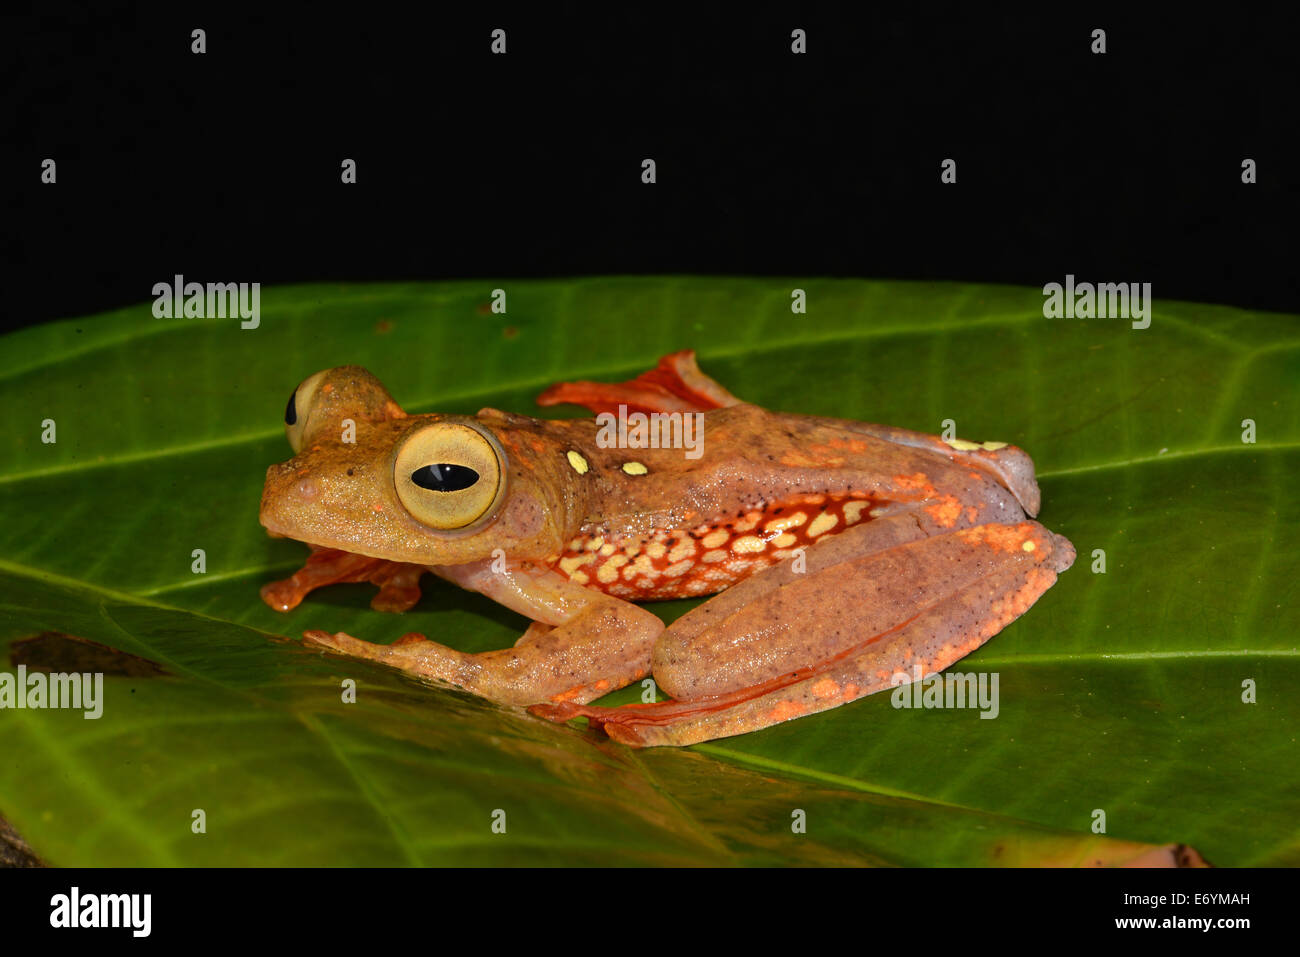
pixel 602 719
pixel 339 641
pixel 321 638
pixel 410 638
pixel 558 713
pixel 283 595
pixel 345 644
pixel 399 588
pixel 627 734
pixel 412 653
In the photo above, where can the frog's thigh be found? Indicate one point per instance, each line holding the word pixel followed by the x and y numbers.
pixel 875 600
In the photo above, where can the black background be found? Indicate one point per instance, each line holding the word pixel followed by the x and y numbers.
pixel 225 166
pixel 515 911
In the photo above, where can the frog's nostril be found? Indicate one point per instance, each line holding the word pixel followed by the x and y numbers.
pixel 307 489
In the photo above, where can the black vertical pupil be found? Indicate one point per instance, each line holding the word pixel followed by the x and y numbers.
pixel 444 477
pixel 291 410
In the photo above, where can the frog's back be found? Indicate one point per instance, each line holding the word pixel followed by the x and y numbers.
pixel 742 489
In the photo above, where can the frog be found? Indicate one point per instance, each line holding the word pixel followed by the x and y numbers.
pixel 836 558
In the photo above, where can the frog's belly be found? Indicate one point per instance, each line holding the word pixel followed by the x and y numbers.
pixel 683 563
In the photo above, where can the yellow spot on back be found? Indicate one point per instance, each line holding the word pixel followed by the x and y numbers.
pixel 607 549
pixel 683 549
pixel 656 549
pixel 784 540
pixel 789 521
pixel 1029 546
pixel 715 539
pixel 643 565
pixel 962 445
pixel 634 468
pixel 717 555
pixel 578 462
pixel 853 511
pixel 748 543
pixel 823 523
pixel 574 562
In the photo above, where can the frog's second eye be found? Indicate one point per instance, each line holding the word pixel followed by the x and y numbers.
pixel 447 475
pixel 298 411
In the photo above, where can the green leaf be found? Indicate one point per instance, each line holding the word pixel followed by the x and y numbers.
pixel 1120 692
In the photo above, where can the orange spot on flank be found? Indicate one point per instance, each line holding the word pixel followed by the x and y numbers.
pixel 917 482
pixel 945 512
pixel 785 710
pixel 1002 538
pixel 826 688
pixel 796 459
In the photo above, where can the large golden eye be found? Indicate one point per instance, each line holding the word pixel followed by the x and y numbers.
pixel 447 475
pixel 298 411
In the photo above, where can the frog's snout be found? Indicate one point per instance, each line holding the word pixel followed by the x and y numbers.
pixel 286 490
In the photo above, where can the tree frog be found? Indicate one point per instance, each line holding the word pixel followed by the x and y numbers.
pixel 841 555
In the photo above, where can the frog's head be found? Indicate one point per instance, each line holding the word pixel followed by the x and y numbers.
pixel 368 478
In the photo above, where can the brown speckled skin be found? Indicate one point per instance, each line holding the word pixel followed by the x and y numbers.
pixel 943 557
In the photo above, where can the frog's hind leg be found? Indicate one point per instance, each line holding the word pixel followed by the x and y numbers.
pixel 889 597
pixel 675 385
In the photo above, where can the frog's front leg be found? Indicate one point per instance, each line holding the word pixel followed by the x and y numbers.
pixel 399 582
pixel 890 596
pixel 582 643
